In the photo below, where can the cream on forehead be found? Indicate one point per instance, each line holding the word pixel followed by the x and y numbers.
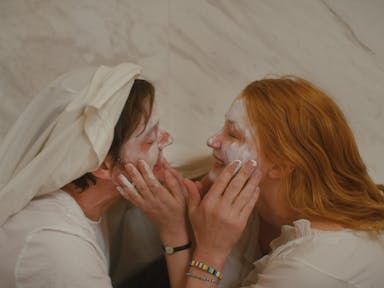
pixel 238 115
pixel 236 111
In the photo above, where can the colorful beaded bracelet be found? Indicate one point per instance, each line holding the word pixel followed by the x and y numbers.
pixel 207 268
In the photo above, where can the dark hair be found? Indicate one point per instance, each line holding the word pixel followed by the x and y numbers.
pixel 139 104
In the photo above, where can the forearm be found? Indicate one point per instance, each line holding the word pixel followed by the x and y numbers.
pixel 177 263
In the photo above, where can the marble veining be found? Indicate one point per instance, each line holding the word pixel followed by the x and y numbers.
pixel 200 54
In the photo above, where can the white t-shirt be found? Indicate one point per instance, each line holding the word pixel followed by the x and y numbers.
pixel 305 257
pixel 51 243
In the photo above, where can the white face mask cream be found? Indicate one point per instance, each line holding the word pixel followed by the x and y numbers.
pixel 146 144
pixel 234 141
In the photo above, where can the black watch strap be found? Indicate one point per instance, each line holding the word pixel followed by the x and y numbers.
pixel 171 250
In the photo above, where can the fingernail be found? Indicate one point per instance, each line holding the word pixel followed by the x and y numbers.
pixel 121 190
pixel 126 182
pixel 238 165
pixel 250 165
pixel 147 169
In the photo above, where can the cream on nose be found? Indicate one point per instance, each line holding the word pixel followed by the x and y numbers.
pixel 165 139
pixel 213 142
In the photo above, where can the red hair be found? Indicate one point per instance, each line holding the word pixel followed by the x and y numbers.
pixel 300 126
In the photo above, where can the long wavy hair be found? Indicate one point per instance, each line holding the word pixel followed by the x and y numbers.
pixel 301 126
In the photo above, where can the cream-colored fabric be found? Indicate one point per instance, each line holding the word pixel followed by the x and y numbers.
pixel 65 132
pixel 304 257
pixel 51 243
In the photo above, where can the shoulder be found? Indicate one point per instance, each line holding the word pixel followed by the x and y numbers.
pixel 292 273
pixel 327 257
pixel 333 248
pixel 63 258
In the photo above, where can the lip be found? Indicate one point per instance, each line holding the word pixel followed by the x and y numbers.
pixel 218 160
pixel 158 165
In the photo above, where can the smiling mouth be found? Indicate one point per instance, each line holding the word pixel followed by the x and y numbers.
pixel 218 160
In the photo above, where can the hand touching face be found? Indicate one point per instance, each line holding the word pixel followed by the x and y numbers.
pixel 234 141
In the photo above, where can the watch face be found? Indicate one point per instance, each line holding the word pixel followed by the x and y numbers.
pixel 169 250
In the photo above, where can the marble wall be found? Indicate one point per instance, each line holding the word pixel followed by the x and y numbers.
pixel 201 53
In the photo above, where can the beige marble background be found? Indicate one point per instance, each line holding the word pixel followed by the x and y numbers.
pixel 200 54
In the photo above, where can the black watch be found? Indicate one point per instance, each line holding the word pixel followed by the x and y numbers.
pixel 171 250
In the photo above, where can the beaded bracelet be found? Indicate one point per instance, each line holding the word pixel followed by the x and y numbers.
pixel 201 278
pixel 207 268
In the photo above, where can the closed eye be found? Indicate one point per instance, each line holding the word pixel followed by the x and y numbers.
pixel 232 135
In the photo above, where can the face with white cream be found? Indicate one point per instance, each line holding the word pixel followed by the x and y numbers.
pixel 234 141
pixel 146 143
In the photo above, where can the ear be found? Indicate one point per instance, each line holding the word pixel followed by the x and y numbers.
pixel 105 169
pixel 281 171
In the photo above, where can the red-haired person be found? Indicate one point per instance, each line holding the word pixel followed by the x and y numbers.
pixel 287 150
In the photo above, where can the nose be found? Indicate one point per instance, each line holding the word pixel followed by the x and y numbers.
pixel 214 141
pixel 164 139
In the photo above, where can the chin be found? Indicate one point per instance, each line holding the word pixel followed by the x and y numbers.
pixel 215 171
pixel 158 171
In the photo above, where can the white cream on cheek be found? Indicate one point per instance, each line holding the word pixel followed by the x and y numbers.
pixel 233 149
pixel 165 139
pixel 238 150
pixel 132 150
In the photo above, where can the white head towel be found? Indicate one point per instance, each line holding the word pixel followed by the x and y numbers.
pixel 65 132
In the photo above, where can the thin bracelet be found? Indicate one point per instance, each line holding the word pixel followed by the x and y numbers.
pixel 201 278
pixel 172 250
pixel 206 268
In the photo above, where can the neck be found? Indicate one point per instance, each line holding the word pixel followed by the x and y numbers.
pixel 95 200
pixel 272 205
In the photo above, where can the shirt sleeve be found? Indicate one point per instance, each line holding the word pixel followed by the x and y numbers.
pixel 292 273
pixel 57 259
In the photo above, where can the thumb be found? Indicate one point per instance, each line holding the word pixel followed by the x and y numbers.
pixel 193 193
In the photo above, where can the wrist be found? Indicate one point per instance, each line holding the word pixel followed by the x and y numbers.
pixel 211 258
pixel 170 250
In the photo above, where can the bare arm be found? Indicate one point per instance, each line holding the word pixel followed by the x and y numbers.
pixel 219 218
pixel 165 205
